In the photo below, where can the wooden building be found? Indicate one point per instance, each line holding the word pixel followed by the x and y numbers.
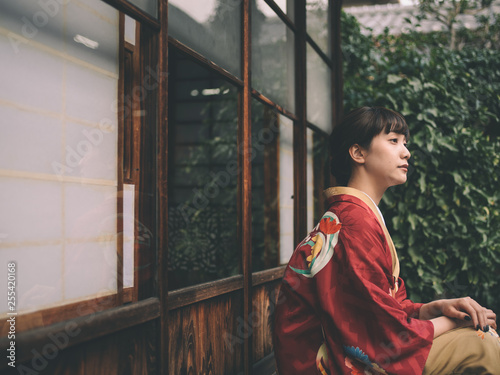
pixel 159 161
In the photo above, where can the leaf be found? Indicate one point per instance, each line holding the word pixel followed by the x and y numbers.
pixel 416 84
pixel 392 78
pixel 421 183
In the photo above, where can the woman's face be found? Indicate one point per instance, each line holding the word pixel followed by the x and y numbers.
pixel 386 159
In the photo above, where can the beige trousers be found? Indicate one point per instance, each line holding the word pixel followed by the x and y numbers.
pixel 464 351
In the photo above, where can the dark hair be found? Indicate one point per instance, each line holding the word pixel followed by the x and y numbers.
pixel 360 126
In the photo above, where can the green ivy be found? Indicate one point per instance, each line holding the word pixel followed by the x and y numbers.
pixel 445 221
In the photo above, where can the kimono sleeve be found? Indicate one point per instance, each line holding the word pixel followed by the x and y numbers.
pixel 353 288
pixel 411 308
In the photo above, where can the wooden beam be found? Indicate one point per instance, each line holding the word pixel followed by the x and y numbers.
pixel 337 78
pixel 136 13
pixel 82 329
pixel 300 126
pixel 197 293
pixel 162 187
pixel 120 147
pixel 266 276
pixel 246 184
pixel 265 100
pixel 207 63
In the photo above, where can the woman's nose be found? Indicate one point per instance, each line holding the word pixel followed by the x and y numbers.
pixel 406 153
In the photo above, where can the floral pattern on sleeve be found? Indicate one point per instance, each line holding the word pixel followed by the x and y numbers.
pixel 321 245
pixel 359 363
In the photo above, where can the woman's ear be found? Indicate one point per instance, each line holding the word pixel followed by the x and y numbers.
pixel 357 153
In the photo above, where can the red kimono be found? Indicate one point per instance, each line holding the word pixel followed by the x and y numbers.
pixel 340 310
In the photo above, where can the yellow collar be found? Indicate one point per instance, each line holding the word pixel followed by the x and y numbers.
pixel 337 190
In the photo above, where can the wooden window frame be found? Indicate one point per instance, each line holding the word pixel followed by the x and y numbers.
pixel 95 317
pixel 193 294
pixel 108 320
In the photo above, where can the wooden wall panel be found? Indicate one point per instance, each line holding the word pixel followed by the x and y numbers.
pixel 127 352
pixel 207 337
pixel 264 297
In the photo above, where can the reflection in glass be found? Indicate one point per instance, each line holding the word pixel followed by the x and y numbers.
pixel 265 187
pixel 273 57
pixel 203 174
pixel 211 28
pixel 148 6
pixel 318 27
pixel 319 91
pixel 287 6
pixel 318 175
pixel 272 188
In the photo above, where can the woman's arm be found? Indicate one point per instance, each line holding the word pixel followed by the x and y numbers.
pixel 444 324
pixel 447 314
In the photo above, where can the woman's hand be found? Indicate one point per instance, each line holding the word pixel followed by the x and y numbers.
pixel 465 310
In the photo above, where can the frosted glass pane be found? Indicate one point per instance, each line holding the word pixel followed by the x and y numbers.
pixel 100 8
pixel 128 264
pixel 40 69
pixel 92 37
pixel 59 82
pixel 29 141
pixel 318 27
pixel 91 152
pixel 273 67
pixel 130 25
pixel 30 210
pixel 310 181
pixel 90 269
pixel 128 234
pixel 212 28
pixel 37 21
pixel 319 91
pixel 82 87
pixel 286 189
pixel 90 211
pixel 34 288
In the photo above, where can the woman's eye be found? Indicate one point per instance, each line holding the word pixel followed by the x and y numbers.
pixel 394 140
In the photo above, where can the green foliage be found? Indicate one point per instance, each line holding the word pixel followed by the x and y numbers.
pixel 445 220
pixel 447 12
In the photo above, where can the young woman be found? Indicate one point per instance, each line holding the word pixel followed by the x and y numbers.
pixel 342 307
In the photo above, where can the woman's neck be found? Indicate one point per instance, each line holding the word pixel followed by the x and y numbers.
pixel 370 189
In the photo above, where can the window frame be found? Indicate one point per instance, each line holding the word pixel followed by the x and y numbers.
pixel 91 317
pixel 248 280
pixel 101 320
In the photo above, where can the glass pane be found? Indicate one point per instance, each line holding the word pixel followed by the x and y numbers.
pixel 272 188
pixel 311 191
pixel 130 25
pixel 265 187
pixel 287 6
pixel 273 58
pixel 319 91
pixel 318 26
pixel 287 244
pixel 128 234
pixel 212 28
pixel 58 150
pixel 148 6
pixel 203 174
pixel 318 175
pixel 37 289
